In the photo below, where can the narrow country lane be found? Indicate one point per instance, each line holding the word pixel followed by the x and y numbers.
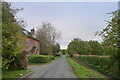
pixel 57 69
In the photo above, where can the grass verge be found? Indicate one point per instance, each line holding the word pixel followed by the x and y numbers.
pixel 83 72
pixel 14 74
pixel 104 65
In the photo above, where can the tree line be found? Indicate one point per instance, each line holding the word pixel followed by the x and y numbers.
pixel 78 46
pixel 110 44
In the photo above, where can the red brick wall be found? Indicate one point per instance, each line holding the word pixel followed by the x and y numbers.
pixel 32 43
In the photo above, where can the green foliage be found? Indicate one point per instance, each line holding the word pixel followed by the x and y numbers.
pixel 110 33
pixel 39 58
pixel 64 51
pixel 11 35
pixel 13 74
pixel 96 48
pixel 102 64
pixel 111 37
pixel 85 47
pixel 20 61
pixel 56 49
pixel 83 72
pixel 57 54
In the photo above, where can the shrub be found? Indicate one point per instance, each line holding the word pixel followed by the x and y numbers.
pixel 58 55
pixel 102 64
pixel 39 58
pixel 20 62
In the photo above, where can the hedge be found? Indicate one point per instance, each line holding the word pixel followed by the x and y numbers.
pixel 102 64
pixel 39 58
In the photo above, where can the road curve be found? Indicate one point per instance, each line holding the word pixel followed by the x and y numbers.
pixel 57 69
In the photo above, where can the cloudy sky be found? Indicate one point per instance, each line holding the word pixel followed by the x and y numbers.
pixel 72 19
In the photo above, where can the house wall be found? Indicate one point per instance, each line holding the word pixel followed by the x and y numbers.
pixel 30 43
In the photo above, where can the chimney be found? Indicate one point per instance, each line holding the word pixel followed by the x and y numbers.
pixel 33 31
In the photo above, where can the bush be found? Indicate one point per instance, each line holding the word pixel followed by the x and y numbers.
pixel 39 58
pixel 53 58
pixel 102 64
pixel 20 62
pixel 58 55
pixel 78 46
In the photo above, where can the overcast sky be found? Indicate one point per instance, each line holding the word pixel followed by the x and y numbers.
pixel 72 19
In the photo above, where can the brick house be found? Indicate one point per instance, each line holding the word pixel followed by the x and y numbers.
pixel 31 43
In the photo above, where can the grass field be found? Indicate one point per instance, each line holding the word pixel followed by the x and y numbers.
pixel 83 72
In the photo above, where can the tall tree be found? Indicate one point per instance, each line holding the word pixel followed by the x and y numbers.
pixel 56 48
pixel 48 37
pixel 11 35
pixel 96 48
pixel 111 37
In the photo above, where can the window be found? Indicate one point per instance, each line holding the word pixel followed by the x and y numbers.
pixel 36 43
pixel 27 42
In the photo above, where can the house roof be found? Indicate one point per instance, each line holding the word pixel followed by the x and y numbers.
pixel 29 34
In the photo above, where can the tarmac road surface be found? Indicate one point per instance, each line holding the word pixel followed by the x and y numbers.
pixel 59 68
